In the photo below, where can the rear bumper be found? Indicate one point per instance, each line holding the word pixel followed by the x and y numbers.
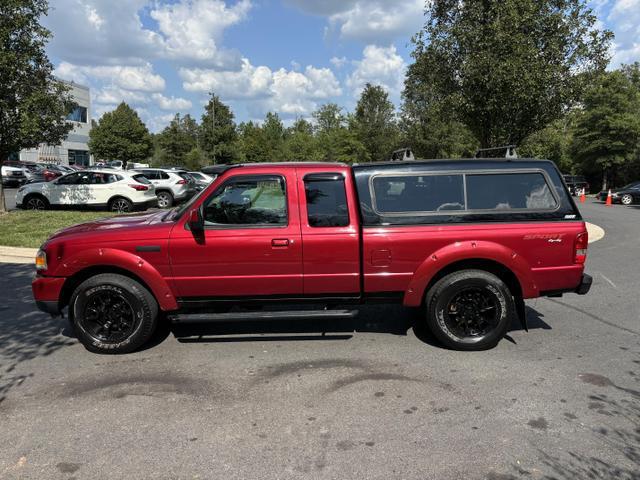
pixel 585 285
pixel 582 289
pixel 50 307
pixel 151 203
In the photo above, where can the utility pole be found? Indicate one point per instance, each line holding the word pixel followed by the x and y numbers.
pixel 213 125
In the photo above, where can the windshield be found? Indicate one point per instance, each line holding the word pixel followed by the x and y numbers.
pixel 631 185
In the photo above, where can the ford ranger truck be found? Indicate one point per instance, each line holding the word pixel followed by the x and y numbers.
pixel 464 241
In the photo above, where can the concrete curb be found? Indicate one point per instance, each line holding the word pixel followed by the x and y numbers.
pixel 595 232
pixel 17 255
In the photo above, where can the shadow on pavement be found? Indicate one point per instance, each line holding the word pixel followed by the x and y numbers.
pixel 389 319
pixel 25 332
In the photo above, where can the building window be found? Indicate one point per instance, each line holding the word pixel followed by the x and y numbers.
pixel 78 114
pixel 79 157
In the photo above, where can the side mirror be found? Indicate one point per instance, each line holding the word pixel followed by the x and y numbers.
pixel 196 224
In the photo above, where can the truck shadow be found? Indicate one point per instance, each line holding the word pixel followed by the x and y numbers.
pixel 389 319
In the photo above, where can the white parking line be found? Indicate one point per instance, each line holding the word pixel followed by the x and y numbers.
pixel 595 232
pixel 609 281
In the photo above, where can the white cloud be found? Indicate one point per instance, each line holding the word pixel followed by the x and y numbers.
pixel 139 78
pixel 371 21
pixel 285 91
pixel 172 103
pixel 624 20
pixel 379 66
pixel 101 32
pixel 114 95
pixel 338 62
pixel 192 29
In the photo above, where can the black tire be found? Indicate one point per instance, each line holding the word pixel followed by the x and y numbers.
pixel 470 310
pixel 35 202
pixel 117 302
pixel 120 205
pixel 165 199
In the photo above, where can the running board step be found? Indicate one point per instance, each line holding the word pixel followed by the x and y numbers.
pixel 262 315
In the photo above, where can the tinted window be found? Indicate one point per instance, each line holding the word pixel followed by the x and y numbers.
pixel 244 200
pixel 507 191
pixel 73 179
pixel 326 202
pixel 141 178
pixel 418 193
pixel 162 175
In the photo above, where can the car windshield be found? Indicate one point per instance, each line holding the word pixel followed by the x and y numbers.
pixel 631 185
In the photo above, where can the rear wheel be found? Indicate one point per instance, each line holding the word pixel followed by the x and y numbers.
pixel 113 314
pixel 120 205
pixel 470 310
pixel 36 202
pixel 626 199
pixel 165 199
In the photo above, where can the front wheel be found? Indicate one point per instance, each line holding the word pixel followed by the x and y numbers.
pixel 626 199
pixel 36 202
pixel 112 313
pixel 470 310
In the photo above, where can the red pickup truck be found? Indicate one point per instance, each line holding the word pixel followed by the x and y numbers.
pixel 466 241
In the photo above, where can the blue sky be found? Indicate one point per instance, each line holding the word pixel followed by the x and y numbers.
pixel 288 56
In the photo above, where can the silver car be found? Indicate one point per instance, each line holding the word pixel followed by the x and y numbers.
pixel 172 186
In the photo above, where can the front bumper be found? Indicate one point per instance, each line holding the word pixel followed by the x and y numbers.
pixel 46 292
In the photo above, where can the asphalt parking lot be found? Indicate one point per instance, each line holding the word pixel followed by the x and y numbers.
pixel 320 400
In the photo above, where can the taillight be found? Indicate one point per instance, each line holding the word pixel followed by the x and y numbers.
pixel 182 182
pixel 582 241
pixel 139 187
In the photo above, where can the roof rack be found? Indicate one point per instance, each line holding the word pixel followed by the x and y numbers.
pixel 506 151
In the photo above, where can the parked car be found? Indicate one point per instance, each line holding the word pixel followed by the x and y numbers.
pixel 115 191
pixel 33 172
pixel 13 176
pixel 202 180
pixel 576 183
pixel 626 195
pixel 172 186
pixel 52 171
pixel 465 241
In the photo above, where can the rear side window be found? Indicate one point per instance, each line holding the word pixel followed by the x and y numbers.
pixel 509 191
pixel 414 194
pixel 141 178
pixel 418 193
pixel 326 201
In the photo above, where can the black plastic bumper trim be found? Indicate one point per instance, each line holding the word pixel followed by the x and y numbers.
pixel 50 307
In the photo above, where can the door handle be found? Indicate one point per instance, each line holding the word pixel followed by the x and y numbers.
pixel 280 242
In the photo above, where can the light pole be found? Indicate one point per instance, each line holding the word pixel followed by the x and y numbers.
pixel 213 125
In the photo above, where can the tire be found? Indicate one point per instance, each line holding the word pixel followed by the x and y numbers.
pixel 626 199
pixel 35 202
pixel 120 205
pixel 119 302
pixel 165 199
pixel 452 309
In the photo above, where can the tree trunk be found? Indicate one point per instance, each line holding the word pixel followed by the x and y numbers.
pixel 3 206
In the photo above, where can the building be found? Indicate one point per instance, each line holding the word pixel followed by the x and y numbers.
pixel 74 150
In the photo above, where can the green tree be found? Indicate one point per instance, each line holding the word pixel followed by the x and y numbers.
pixel 329 117
pixel 33 105
pixel 121 135
pixel 607 132
pixel 178 139
pixel 218 132
pixel 553 143
pixel 374 123
pixel 300 143
pixel 505 69
pixel 273 138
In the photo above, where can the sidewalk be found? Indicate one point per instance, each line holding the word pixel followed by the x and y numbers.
pixel 17 255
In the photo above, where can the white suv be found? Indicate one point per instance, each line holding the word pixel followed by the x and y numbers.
pixel 171 185
pixel 118 191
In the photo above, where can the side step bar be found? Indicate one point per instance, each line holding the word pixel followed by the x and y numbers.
pixel 262 315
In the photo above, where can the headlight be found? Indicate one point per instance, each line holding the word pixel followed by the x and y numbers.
pixel 41 260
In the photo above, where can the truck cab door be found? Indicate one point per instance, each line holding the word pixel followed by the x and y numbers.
pixel 251 243
pixel 330 232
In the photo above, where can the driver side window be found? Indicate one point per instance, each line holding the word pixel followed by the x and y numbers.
pixel 248 201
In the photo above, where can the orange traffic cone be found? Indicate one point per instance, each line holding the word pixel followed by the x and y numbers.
pixel 583 197
pixel 608 202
